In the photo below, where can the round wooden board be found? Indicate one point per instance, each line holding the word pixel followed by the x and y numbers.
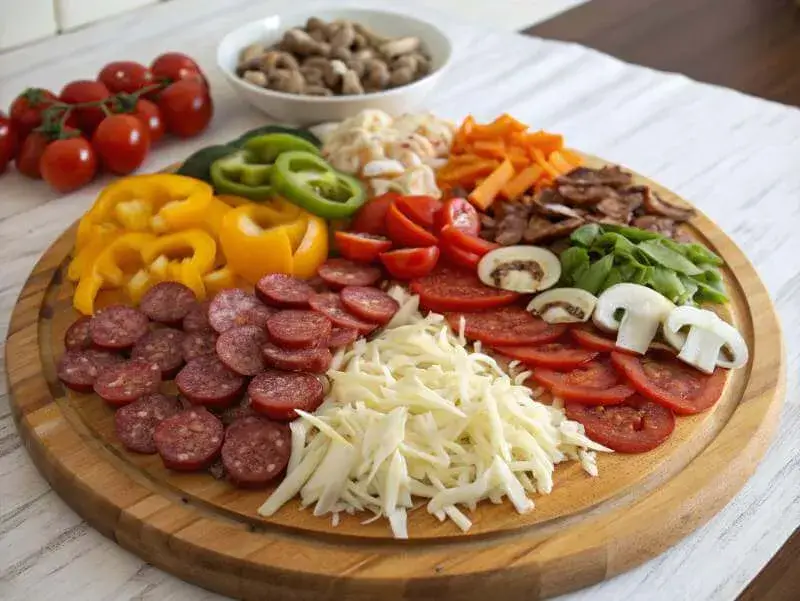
pixel 207 532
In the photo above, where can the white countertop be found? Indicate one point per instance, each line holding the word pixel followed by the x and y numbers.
pixel 734 156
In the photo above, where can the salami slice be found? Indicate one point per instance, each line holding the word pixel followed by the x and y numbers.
pixel 125 382
pixel 315 360
pixel 207 381
pixel 118 327
pixel 168 302
pixel 369 304
pixel 136 423
pixel 162 347
pixel 243 420
pixel 236 412
pixel 226 309
pixel 284 291
pixel 78 370
pixel 506 326
pixel 240 349
pixel 342 337
pixel 198 344
pixel 196 319
pixel 295 329
pixel 277 394
pixel 77 337
pixel 256 316
pixel 338 273
pixel 330 305
pixel 189 440
pixel 256 452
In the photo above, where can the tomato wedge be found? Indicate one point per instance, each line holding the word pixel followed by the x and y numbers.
pixel 460 257
pixel 448 288
pixel 405 232
pixel 459 213
pixel 456 238
pixel 358 246
pixel 594 383
pixel 371 218
pixel 409 263
pixel 558 356
pixel 672 383
pixel 636 426
pixel 506 326
pixel 419 209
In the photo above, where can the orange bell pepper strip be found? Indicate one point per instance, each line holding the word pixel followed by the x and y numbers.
pixel 467 173
pixel 545 142
pixel 492 149
pixel 522 182
pixel 483 196
pixel 538 156
pixel 559 162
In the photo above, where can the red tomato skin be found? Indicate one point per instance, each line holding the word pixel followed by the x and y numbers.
pixel 593 383
pixel 459 213
pixel 371 217
pixel 173 66
pixel 149 115
pixel 121 142
pixel 9 141
pixel 409 263
pixel 404 232
pixel 357 247
pixel 459 256
pixel 186 108
pixel 556 356
pixel 68 164
pixel 419 208
pixel 30 155
pixel 81 91
pixel 454 237
pixel 125 76
pixel 458 289
pixel 26 110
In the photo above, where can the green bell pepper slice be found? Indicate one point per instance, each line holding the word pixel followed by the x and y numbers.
pixel 242 174
pixel 268 147
pixel 311 183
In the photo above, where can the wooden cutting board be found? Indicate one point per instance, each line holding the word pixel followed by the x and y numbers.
pixel 207 532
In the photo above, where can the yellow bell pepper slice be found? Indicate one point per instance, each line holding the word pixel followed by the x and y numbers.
pixel 122 258
pixel 220 279
pixel 187 202
pixel 216 211
pixel 193 245
pixel 191 278
pixel 159 269
pixel 140 283
pixel 232 200
pixel 97 237
pixel 86 292
pixel 313 248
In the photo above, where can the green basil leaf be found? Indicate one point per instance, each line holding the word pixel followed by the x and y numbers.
pixel 697 254
pixel 613 278
pixel 666 257
pixel 667 283
pixel 634 234
pixel 709 294
pixel 571 260
pixel 689 290
pixel 592 279
pixel 585 235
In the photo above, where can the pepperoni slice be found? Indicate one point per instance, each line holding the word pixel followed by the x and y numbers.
pixel 277 394
pixel 295 329
pixel 162 347
pixel 125 382
pixel 256 452
pixel 338 273
pixel 594 383
pixel 136 423
pixel 207 381
pixel 636 426
pixel 236 412
pixel 342 337
pixel 189 440
pixel 240 349
pixel 196 319
pixel 506 326
pixel 670 382
pixel 255 316
pixel 314 360
pixel 330 305
pixel 118 327
pixel 452 289
pixel 284 291
pixel 168 302
pixel 558 356
pixel 369 304
pixel 78 370
pixel 198 344
pixel 226 310
pixel 77 337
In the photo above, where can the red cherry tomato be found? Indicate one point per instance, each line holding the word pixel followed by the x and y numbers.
pixel 30 154
pixel 78 92
pixel 371 217
pixel 149 114
pixel 594 383
pixel 458 256
pixel 357 246
pixel 459 213
pixel 121 142
pixel 419 209
pixel 173 66
pixel 559 356
pixel 410 262
pixel 68 164
pixel 26 110
pixel 456 238
pixel 404 232
pixel 186 107
pixel 125 76
pixel 9 141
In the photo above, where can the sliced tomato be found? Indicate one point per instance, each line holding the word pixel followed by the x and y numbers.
pixel 459 213
pixel 371 218
pixel 404 232
pixel 358 246
pixel 460 257
pixel 594 383
pixel 559 356
pixel 670 382
pixel 456 238
pixel 591 338
pixel 409 263
pixel 419 209
pixel 635 426
pixel 506 326
pixel 449 288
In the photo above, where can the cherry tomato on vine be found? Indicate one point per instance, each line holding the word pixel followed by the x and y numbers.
pixel 9 141
pixel 125 76
pixel 174 66
pixel 30 154
pixel 81 91
pixel 68 164
pixel 150 115
pixel 26 110
pixel 121 142
pixel 186 107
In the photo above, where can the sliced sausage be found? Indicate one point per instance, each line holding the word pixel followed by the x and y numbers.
pixel 189 440
pixel 240 349
pixel 338 273
pixel 196 319
pixel 77 337
pixel 256 452
pixel 162 347
pixel 284 291
pixel 168 302
pixel 123 383
pixel 330 305
pixel 207 381
pixel 78 370
pixel 369 304
pixel 342 337
pixel 315 360
pixel 236 412
pixel 198 344
pixel 226 309
pixel 136 423
pixel 294 329
pixel 118 327
pixel 256 316
pixel 277 394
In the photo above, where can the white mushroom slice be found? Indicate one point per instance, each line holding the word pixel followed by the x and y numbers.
pixel 643 311
pixel 564 305
pixel 709 342
pixel 520 268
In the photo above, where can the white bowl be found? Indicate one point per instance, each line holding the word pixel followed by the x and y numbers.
pixel 305 110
